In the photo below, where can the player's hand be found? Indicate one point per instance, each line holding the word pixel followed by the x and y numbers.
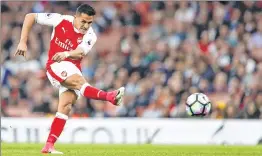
pixel 58 57
pixel 21 49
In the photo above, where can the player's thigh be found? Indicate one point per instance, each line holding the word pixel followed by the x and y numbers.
pixel 74 81
pixel 66 74
pixel 66 100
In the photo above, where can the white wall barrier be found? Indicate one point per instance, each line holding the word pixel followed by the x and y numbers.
pixel 136 131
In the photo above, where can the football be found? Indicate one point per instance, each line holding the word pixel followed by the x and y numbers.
pixel 198 104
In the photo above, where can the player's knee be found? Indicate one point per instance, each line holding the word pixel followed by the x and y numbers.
pixel 65 107
pixel 68 107
pixel 66 100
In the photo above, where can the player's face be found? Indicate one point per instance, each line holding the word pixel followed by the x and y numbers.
pixel 83 22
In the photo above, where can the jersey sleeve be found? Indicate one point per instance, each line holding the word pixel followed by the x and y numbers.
pixel 88 42
pixel 50 19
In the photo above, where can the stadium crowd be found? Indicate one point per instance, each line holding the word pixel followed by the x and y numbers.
pixel 160 51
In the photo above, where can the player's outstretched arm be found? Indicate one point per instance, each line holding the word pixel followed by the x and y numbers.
pixel 27 25
pixel 49 19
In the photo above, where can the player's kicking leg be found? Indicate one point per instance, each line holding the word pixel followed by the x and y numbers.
pixel 78 82
pixel 66 100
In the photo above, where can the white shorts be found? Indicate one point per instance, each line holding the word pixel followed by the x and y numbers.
pixel 58 72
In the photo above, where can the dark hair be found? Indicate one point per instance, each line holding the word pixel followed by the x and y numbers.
pixel 86 9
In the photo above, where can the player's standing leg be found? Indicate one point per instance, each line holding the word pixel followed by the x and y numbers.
pixel 66 100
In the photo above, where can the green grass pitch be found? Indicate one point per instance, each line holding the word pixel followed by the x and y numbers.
pixel 132 150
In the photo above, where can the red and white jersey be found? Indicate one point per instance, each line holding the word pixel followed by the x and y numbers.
pixel 65 37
